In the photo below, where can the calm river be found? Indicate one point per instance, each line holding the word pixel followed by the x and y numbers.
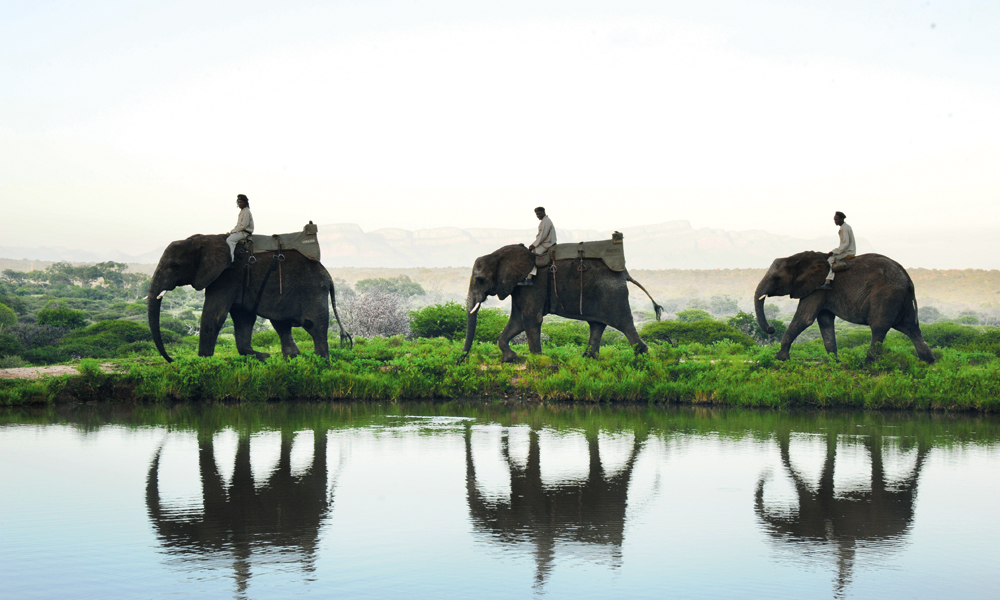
pixel 490 501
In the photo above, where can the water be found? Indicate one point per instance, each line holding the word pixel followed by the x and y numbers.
pixel 470 500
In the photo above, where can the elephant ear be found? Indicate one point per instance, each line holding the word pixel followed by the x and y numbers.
pixel 810 275
pixel 516 262
pixel 214 260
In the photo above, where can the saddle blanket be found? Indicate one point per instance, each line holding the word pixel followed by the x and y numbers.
pixel 304 242
pixel 612 252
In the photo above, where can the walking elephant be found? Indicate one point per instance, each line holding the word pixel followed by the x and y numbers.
pixel 295 296
pixel 874 291
pixel 601 298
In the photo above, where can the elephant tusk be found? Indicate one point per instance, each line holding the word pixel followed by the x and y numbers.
pixel 145 297
pixel 160 295
pixel 762 297
pixel 475 308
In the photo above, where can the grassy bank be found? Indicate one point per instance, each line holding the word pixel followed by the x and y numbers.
pixel 425 369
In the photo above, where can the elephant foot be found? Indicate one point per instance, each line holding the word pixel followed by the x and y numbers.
pixel 782 355
pixel 510 356
pixel 261 356
pixel 591 354
pixel 641 348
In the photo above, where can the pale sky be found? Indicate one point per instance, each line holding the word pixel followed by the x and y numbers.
pixel 126 125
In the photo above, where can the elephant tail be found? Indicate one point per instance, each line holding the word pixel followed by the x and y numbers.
pixel 656 307
pixel 343 333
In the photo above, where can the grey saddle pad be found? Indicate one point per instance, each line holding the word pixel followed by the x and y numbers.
pixel 304 242
pixel 612 252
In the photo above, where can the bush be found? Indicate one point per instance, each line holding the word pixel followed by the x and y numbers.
pixel 449 321
pixel 7 316
pixel 107 338
pixel 376 313
pixel 747 323
pixel 400 286
pixel 929 314
pixel 33 335
pixel 968 320
pixel 567 333
pixel 677 333
pixel 264 339
pixel 9 345
pixel 693 314
pixel 722 305
pixel 60 316
pixel 949 335
pixel 176 325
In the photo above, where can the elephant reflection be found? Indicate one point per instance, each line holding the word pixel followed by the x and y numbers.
pixel 283 514
pixel 879 515
pixel 591 511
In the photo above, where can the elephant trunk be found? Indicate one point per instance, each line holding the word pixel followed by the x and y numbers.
pixel 156 291
pixel 471 319
pixel 763 288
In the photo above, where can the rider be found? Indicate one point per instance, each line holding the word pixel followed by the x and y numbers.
pixel 545 239
pixel 244 226
pixel 845 250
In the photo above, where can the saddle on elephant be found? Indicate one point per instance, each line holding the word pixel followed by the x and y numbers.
pixel 841 263
pixel 304 242
pixel 612 252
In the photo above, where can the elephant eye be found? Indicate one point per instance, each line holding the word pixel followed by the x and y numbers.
pixel 480 280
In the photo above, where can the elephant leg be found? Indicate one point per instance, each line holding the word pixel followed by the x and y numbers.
pixel 825 319
pixel 912 331
pixel 594 343
pixel 805 314
pixel 288 346
pixel 878 336
pixel 633 336
pixel 319 332
pixel 512 328
pixel 533 331
pixel 243 323
pixel 212 320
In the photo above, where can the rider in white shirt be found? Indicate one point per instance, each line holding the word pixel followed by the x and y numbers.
pixel 845 250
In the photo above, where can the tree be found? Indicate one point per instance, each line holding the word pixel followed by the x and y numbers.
pixel 722 305
pixel 747 323
pixel 693 314
pixel 7 316
pixel 376 313
pixel 401 286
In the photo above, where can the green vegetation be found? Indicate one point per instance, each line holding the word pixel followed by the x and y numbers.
pixel 448 320
pixel 400 285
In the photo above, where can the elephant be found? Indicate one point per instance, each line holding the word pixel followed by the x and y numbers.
pixel 239 521
pixel 589 511
pixel 875 291
pixel 295 296
pixel 601 298
pixel 844 519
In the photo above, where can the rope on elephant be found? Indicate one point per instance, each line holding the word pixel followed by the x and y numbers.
pixel 581 268
pixel 552 269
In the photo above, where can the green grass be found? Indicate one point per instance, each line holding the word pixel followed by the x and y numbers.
pixel 395 369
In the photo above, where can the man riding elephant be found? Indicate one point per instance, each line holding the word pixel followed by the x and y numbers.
pixel 846 249
pixel 545 239
pixel 244 226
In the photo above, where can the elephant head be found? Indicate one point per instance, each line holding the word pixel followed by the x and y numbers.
pixel 495 274
pixel 196 261
pixel 796 276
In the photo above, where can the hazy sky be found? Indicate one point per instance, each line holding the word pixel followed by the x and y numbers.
pixel 126 125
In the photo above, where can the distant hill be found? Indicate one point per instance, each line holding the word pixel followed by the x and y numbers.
pixel 672 245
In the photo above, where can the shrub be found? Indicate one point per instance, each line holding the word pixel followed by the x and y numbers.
pixel 60 316
pixel 929 314
pixel 400 286
pixel 7 316
pixel 264 339
pixel 176 325
pixel 376 313
pixel 968 320
pixel 747 323
pixel 722 305
pixel 449 321
pixel 693 314
pixel 949 335
pixel 9 345
pixel 33 335
pixel 567 333
pixel 108 338
pixel 702 332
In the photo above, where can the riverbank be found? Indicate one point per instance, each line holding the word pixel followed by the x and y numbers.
pixel 395 370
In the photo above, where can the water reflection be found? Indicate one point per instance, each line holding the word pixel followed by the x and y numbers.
pixel 278 517
pixel 877 514
pixel 588 510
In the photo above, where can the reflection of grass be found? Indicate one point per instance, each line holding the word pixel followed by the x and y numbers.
pixel 901 430
pixel 397 369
